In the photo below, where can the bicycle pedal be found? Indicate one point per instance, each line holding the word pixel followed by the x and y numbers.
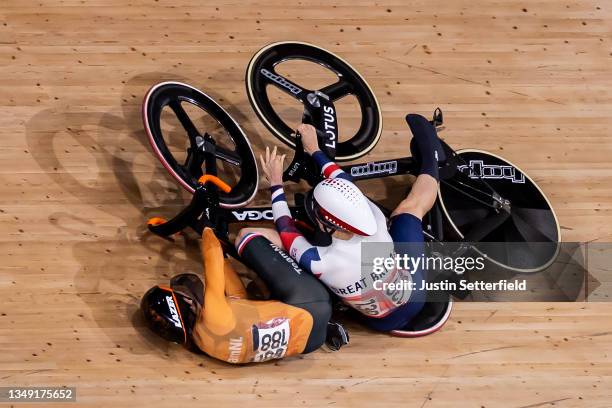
pixel 438 116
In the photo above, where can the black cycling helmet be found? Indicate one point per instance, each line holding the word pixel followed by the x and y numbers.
pixel 171 312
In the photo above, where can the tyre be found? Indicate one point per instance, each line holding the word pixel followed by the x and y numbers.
pixel 261 73
pixel 180 150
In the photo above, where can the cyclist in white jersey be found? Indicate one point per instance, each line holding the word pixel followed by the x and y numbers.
pixel 339 207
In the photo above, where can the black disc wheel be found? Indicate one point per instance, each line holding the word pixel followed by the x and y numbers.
pixel 177 119
pixel 262 72
pixel 526 240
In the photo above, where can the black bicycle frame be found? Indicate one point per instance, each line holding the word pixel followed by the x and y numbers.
pixel 204 210
pixel 359 171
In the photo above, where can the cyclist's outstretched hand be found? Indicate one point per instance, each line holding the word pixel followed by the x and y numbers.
pixel 272 166
pixel 309 138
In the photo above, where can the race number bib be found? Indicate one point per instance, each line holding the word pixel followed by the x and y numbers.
pixel 379 303
pixel 270 339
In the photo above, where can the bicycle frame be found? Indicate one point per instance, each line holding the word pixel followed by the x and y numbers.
pixel 204 210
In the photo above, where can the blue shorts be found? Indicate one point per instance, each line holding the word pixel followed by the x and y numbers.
pixel 404 228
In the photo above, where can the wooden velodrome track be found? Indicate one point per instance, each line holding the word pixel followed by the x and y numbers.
pixel 529 79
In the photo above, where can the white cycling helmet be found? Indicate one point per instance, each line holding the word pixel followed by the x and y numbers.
pixel 339 204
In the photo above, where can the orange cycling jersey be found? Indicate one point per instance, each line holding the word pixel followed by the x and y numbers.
pixel 232 328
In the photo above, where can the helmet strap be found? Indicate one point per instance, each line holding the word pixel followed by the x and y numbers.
pixel 322 235
pixel 329 230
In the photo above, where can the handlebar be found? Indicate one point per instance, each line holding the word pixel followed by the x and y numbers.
pixel 302 167
pixel 319 111
pixel 204 201
pixel 216 181
pixel 155 221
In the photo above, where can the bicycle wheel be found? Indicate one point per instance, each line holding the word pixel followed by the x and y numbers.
pixel 529 238
pixel 262 72
pixel 175 137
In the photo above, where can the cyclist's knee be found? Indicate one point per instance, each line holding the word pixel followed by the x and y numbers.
pixel 410 206
pixel 309 291
pixel 244 232
pixel 241 234
pixel 268 233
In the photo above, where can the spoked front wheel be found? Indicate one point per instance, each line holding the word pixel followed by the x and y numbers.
pixel 263 72
pixel 176 118
pixel 487 190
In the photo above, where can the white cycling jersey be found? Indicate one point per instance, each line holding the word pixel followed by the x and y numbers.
pixel 339 265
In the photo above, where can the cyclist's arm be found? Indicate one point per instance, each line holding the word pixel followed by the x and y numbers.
pixel 233 285
pixel 293 240
pixel 329 169
pixel 217 313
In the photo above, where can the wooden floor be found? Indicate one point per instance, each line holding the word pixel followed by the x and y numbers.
pixel 529 79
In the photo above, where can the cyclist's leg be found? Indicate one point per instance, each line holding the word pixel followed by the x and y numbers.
pixel 407 234
pixel 427 151
pixel 406 231
pixel 421 198
pixel 288 283
pixel 270 233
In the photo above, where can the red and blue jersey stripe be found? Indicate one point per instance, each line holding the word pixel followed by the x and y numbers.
pixel 293 240
pixel 245 240
pixel 329 169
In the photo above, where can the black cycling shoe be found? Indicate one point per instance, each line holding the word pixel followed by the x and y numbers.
pixel 425 146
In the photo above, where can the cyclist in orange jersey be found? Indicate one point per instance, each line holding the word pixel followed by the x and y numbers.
pixel 217 318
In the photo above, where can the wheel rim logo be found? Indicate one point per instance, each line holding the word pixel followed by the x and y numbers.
pixel 372 168
pixel 478 170
pixel 281 81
